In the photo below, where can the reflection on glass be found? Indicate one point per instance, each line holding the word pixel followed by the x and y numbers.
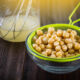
pixel 17 19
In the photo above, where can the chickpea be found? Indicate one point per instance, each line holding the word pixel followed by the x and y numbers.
pixel 59 54
pixel 54 36
pixel 59 33
pixel 50 41
pixel 38 49
pixel 73 40
pixel 53 52
pixel 40 38
pixel 69 30
pixel 48 51
pixel 58 48
pixel 42 46
pixel 56 43
pixel 54 33
pixel 70 45
pixel 64 47
pixel 38 41
pixel 45 35
pixel 66 53
pixel 68 40
pixel 39 32
pixel 76 46
pixel 45 40
pixel 71 51
pixel 44 53
pixel 61 51
pixel 35 46
pixel 61 43
pixel 74 32
pixel 49 46
pixel 51 30
pixel 58 39
pixel 53 56
pixel 48 35
pixel 72 35
pixel 34 38
pixel 65 34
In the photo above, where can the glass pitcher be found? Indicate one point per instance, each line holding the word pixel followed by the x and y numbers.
pixel 18 18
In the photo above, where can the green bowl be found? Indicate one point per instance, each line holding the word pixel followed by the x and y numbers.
pixel 56 26
pixel 55 65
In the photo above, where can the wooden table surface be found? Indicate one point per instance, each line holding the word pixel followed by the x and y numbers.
pixel 12 57
pixel 15 64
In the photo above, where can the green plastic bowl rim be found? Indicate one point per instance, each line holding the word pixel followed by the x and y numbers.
pixel 40 56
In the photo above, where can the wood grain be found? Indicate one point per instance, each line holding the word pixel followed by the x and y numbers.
pixel 11 60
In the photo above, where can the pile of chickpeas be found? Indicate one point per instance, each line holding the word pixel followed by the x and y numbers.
pixel 57 43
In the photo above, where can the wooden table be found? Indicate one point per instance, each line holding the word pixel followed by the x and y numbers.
pixel 12 57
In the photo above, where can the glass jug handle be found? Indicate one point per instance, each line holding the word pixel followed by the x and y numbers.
pixel 70 17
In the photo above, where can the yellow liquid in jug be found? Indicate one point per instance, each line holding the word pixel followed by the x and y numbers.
pixel 20 33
